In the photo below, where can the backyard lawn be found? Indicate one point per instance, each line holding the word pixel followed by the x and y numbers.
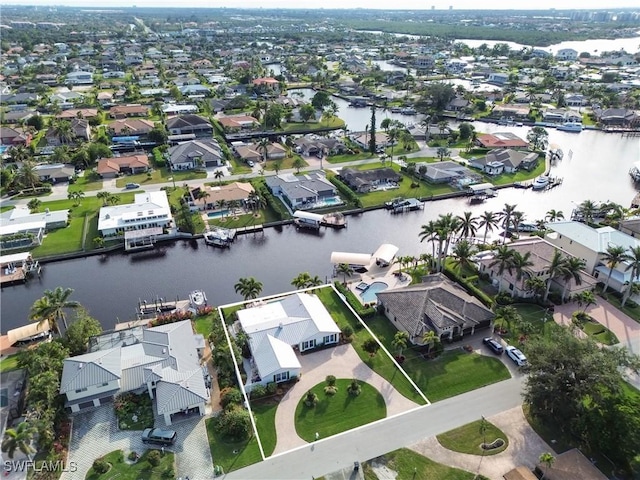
pixel 631 309
pixel 264 413
pixel 519 176
pixel 9 363
pixel 413 466
pixel 160 175
pixel 340 412
pixel 468 438
pixel 231 456
pixel 142 469
pixel 245 220
pixel 204 324
pixel 381 363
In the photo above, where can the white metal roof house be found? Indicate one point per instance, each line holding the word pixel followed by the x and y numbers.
pixel 164 361
pixel 278 328
pixel 301 191
pixel 149 209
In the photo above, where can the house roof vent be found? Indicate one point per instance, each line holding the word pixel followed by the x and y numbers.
pixel 80 365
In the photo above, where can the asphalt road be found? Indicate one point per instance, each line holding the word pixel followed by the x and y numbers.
pixel 370 441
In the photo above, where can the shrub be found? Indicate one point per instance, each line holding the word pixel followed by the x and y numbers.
pixel 234 424
pixel 311 399
pixel 230 396
pixel 100 466
pixel 154 458
pixel 271 388
pixel 330 390
pixel 362 311
pixel 469 287
pixel 133 456
pixel 354 388
pixel 331 380
pixel 347 332
pixel 258 391
pixel 349 194
pixel 503 298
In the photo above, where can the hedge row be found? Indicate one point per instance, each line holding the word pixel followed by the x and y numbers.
pixel 349 194
pixel 469 287
pixel 272 201
pixel 361 310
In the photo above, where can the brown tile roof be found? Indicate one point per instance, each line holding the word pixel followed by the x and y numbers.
pixel 73 113
pixel 232 191
pixel 133 124
pixel 113 165
pixel 129 109
pixel 501 140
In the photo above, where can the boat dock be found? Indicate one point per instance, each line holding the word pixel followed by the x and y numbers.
pixel 401 205
pixel 220 237
pixel 18 268
pixel 553 182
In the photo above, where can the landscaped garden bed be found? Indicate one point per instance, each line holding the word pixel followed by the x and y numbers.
pixel 470 439
pixel 152 465
pixel 134 412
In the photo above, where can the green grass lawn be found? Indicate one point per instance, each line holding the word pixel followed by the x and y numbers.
pixel 245 220
pixel 540 320
pixel 9 363
pixel 6 208
pixel 413 466
pixel 84 184
pixel 633 311
pixel 600 333
pixel 519 176
pixel 340 412
pixel 160 175
pixel 204 324
pixel 142 469
pixel 381 363
pixel 454 372
pixel 350 157
pixel 423 190
pixel 264 413
pixel 231 456
pixel 285 163
pixel 334 122
pixel 468 438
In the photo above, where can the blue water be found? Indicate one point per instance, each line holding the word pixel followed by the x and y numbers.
pixel 3 148
pixel 369 295
pixel 218 214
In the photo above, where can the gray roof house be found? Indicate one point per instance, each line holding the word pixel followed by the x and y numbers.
pixel 505 160
pixel 447 172
pixel 187 155
pixel 184 124
pixel 301 191
pixel 437 304
pixel 163 361
pixel 367 180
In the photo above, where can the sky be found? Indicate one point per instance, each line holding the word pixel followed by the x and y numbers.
pixel 328 4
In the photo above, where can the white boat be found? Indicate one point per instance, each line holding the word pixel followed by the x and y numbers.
pixel 570 127
pixel 408 111
pixel 541 182
pixel 220 237
pixel 197 298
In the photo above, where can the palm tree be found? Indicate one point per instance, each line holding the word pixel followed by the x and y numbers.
pixel 277 166
pixel 428 232
pixel 34 205
pixel 462 253
pixel 520 263
pixel 104 196
pixel 263 146
pixel 20 154
pixel 249 288
pixel 572 268
pixel 302 280
pixel 516 219
pixel 27 176
pixel 19 438
pixel 555 269
pixel 614 255
pixel 505 216
pixel 586 298
pixel 488 220
pixel 468 225
pixel 446 226
pixel 554 215
pixel 75 196
pixel 315 281
pixel 536 285
pixel 345 270
pixel 430 339
pixel 218 176
pixel 442 152
pixel 508 315
pixel 588 210
pixel 503 259
pixel 64 131
pixel 548 459
pixel 51 306
pixel 399 341
pixel 634 266
pixel 203 195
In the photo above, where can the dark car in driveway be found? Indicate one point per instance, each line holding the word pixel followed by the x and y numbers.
pixel 159 436
pixel 494 345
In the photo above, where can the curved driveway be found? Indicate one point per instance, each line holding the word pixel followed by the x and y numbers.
pixel 342 362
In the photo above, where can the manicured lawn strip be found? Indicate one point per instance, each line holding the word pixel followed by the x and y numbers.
pixel 454 372
pixel 160 175
pixel 632 311
pixel 228 313
pixel 204 324
pixel 264 413
pixel 600 333
pixel 285 163
pixel 84 184
pixel 222 452
pixel 340 412
pixel 9 363
pixel 246 220
pixel 411 465
pixel 540 320
pixel 6 208
pixel 142 469
pixel 380 363
pixel 469 437
pixel 349 157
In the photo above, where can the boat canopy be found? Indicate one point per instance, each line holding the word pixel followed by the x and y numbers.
pixel 363 259
pixel 480 187
pixel 14 258
pixel 308 216
pixel 27 331
pixel 385 253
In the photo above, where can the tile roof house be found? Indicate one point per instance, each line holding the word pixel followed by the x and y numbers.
pixel 78 113
pixel 616 116
pixel 436 304
pixel 15 136
pixel 505 160
pixel 235 191
pixel 590 244
pixel 367 180
pixel 80 128
pixel 448 172
pixel 185 124
pixel 162 361
pixel 111 167
pixel 131 126
pixel 238 122
pixel 510 111
pixel 301 191
pixel 276 329
pixel 501 140
pixel 132 110
pixel 205 152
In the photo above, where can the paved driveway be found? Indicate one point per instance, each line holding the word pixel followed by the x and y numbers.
pixel 342 362
pixel 95 434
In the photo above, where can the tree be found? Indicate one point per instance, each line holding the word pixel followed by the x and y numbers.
pixel 508 315
pixel 585 298
pixel 277 166
pixel 372 132
pixel 443 152
pixel 633 265
pixel 468 225
pixel 371 346
pixel 75 196
pixel 536 285
pixel 462 252
pixel 302 280
pixel 28 176
pixel 554 270
pixel 465 129
pixel 298 163
pixel 399 342
pixel 345 270
pixel 158 135
pixel 307 112
pixel 34 205
pixel 19 438
pixel 614 255
pixel 488 220
pixel 430 339
pixel 588 210
pixel 538 138
pixel 218 175
pixel 429 232
pixel 505 215
pixel 504 260
pixel 51 306
pixel 520 263
pixel 77 335
pixel 554 215
pixel 572 272
pixel 249 288
pixel 320 100
pixel 547 459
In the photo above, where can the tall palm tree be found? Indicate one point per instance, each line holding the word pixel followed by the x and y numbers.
pixel 430 339
pixel 505 216
pixel 345 270
pixel 76 196
pixel 588 210
pixel 302 280
pixel 33 205
pixel 634 266
pixel 536 285
pixel 399 341
pixel 554 270
pixel 51 306
pixel 428 232
pixel 468 225
pixel 27 176
pixel 20 154
pixel 446 225
pixel 614 255
pixel 503 259
pixel 203 195
pixel 104 196
pixel 315 281
pixel 516 219
pixel 263 146
pixel 462 253
pixel 249 288
pixel 572 268
pixel 520 263
pixel 19 438
pixel 218 176
pixel 554 215
pixel 488 220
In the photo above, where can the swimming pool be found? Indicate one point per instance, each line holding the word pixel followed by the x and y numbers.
pixel 218 214
pixel 369 295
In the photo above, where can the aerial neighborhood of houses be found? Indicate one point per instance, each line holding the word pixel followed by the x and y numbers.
pixel 122 132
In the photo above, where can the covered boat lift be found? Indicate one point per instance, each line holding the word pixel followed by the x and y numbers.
pixel 304 219
pixel 385 254
pixel 356 260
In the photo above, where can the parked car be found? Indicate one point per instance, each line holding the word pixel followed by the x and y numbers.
pixel 494 345
pixel 516 355
pixel 250 163
pixel 159 436
pixel 131 186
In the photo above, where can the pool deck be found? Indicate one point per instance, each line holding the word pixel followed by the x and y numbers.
pixel 379 274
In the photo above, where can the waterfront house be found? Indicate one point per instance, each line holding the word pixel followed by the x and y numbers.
pixel 219 195
pixel 15 136
pixel 55 172
pixel 590 244
pixel 302 191
pixel 190 124
pixel 498 78
pixel 130 126
pixel 312 145
pixel 19 228
pixel 511 111
pixel 367 180
pixel 567 54
pixel 575 100
pixel 247 152
pixel 621 117
pixel 235 123
pixel 149 210
pixel 362 140
pixel 277 329
pixel 447 172
pixel 541 254
pixel 500 140
pixel 436 304
pixel 114 166
pixel 162 361
pixel 131 110
pixel 503 160
pixel 205 152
